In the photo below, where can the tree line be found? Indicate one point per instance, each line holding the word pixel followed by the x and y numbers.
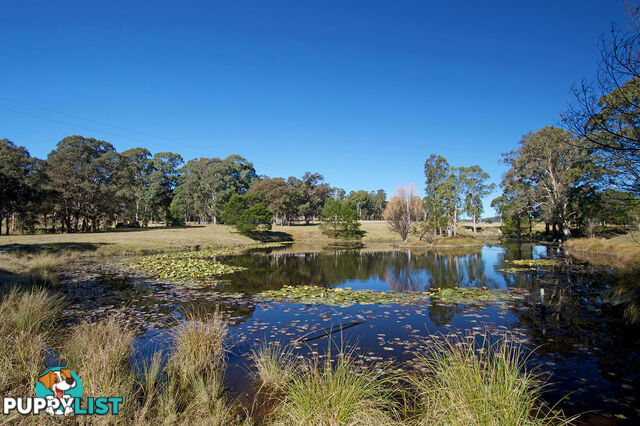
pixel 85 185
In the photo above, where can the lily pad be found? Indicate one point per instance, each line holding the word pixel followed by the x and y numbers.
pixel 347 296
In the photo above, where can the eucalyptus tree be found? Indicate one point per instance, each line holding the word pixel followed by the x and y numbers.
pixel 134 180
pixel 208 183
pixel 279 195
pixel 475 188
pixel 436 171
pixel 553 166
pixel 81 171
pixel 15 168
pixel 312 193
pixel 163 180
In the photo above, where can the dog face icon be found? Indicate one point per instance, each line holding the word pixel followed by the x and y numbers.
pixel 58 381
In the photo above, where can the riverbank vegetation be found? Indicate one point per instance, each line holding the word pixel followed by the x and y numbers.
pixel 186 384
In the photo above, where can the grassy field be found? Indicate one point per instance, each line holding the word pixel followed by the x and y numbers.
pixel 160 239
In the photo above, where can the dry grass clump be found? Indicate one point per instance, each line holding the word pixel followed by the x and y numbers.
pixel 462 382
pixel 99 353
pixel 321 392
pixel 26 319
pixel 190 388
pixel 275 365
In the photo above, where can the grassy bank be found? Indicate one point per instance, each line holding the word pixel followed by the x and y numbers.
pixel 622 251
pixel 378 236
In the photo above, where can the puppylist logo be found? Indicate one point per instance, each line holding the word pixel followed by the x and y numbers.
pixel 59 393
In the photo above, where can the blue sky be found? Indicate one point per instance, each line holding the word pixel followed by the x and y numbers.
pixel 360 91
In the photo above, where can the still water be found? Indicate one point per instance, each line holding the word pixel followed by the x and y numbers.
pixel 581 343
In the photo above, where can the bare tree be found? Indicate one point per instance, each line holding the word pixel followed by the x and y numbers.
pixel 404 208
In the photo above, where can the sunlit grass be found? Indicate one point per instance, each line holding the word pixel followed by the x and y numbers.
pixel 462 381
pixel 275 365
pixel 27 317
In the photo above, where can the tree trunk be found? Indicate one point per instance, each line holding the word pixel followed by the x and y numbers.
pixel 529 224
pixel 6 226
pixel 474 223
pixel 1 217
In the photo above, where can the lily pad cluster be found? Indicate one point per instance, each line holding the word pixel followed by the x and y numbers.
pixel 346 296
pixel 186 266
pixel 532 262
pixel 525 265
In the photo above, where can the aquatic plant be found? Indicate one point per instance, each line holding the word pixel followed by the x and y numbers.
pixel 346 296
pixel 186 266
pixel 532 262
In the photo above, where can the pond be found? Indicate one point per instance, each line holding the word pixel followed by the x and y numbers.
pixel 581 344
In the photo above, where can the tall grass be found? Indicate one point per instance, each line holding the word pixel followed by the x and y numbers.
pixel 99 353
pixel 331 393
pixel 26 318
pixel 191 384
pixel 275 365
pixel 461 381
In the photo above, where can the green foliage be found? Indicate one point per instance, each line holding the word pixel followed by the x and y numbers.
pixel 207 184
pixel 346 296
pixel 547 172
pixel 247 212
pixel 339 219
pixel 254 217
pixel 184 266
pixel 173 216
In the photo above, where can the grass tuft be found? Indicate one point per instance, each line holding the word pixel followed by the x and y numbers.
pixel 461 381
pixel 275 365
pixel 326 393
pixel 99 353
pixel 26 319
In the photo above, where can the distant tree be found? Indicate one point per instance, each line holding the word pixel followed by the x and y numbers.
pixel 337 193
pixel 247 212
pixel 174 216
pixel 475 188
pixel 236 206
pixel 549 168
pixel 403 209
pixel 436 171
pixel 280 196
pixel 256 216
pixel 15 168
pixel 82 172
pixel 163 180
pixel 208 183
pixel 133 180
pixel 363 202
pixel 312 193
pixel 339 219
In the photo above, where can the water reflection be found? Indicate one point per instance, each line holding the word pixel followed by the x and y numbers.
pixel 394 271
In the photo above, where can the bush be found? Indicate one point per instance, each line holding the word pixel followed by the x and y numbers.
pixel 173 216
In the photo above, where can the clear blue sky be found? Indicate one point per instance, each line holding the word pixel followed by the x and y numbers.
pixel 360 91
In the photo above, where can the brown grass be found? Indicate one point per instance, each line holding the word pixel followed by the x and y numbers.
pixel 621 252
